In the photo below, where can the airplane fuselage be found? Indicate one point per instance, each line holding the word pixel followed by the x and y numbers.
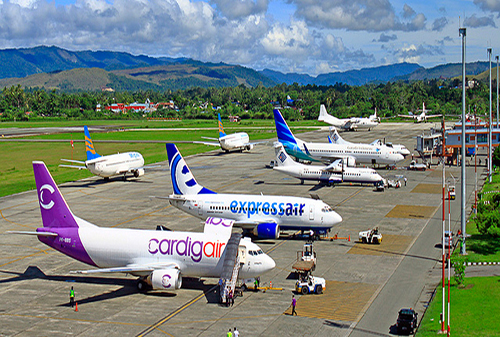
pixel 235 141
pixel 195 254
pixel 115 164
pixel 318 173
pixel 290 213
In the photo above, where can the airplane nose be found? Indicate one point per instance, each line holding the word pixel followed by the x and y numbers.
pixel 336 218
pixel 269 263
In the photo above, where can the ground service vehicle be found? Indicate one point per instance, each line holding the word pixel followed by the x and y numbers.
pixel 370 236
pixel 416 166
pixel 310 284
pixel 407 321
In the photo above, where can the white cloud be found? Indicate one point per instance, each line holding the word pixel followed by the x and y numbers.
pixel 369 15
pixel 489 5
pixel 474 21
pixel 233 9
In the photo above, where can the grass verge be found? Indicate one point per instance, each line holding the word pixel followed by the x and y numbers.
pixel 474 309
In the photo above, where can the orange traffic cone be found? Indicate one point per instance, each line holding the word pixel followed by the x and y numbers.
pixel 270 284
pixel 76 306
pixel 349 238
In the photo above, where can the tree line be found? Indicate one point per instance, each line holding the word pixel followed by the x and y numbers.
pixel 298 102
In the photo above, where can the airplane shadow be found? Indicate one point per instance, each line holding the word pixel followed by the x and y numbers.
pixel 99 182
pixel 129 286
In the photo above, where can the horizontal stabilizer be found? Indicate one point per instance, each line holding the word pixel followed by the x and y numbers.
pixel 211 138
pixel 33 233
pixel 207 143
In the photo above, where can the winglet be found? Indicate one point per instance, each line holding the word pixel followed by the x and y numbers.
pixel 89 146
pixel 221 127
pixel 183 181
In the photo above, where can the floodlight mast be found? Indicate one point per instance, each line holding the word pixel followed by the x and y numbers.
pixel 490 122
pixel 462 32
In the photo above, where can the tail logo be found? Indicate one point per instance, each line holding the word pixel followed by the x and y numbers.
pixel 42 201
pixel 282 157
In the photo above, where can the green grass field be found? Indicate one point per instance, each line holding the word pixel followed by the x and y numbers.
pixel 474 309
pixel 16 173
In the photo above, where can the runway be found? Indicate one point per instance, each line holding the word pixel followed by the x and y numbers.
pixel 366 285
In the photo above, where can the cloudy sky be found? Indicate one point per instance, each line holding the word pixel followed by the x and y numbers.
pixel 304 36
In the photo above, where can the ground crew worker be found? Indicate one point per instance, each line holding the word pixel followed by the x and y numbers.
pixel 229 334
pixel 72 297
pixel 294 303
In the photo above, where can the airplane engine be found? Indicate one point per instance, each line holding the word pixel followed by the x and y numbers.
pixel 267 231
pixel 165 279
pixel 138 173
pixel 249 147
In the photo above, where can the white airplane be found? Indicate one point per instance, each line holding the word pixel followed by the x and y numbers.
pixel 348 124
pixel 110 165
pixel 159 258
pixel 233 142
pixel 264 215
pixel 335 138
pixel 334 173
pixel 422 117
pixel 351 153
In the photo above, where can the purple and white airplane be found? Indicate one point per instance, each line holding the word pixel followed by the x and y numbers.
pixel 159 258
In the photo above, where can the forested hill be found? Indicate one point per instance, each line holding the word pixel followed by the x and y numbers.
pixel 380 74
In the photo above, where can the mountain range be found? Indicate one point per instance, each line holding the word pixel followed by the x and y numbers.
pixel 52 67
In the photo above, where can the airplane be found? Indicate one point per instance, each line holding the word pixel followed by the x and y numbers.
pixel 326 152
pixel 110 165
pixel 422 117
pixel 160 258
pixel 263 215
pixel 348 124
pixel 335 138
pixel 233 142
pixel 334 173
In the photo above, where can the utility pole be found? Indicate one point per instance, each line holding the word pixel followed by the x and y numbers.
pixel 489 123
pixel 498 125
pixel 462 32
pixel 443 206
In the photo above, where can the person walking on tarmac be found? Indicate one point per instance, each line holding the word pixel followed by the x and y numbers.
pixel 229 333
pixel 72 298
pixel 294 303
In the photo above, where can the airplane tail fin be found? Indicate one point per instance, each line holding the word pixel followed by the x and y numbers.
pixel 183 181
pixel 89 146
pixel 282 157
pixel 324 116
pixel 335 137
pixel 55 211
pixel 221 127
pixel 285 135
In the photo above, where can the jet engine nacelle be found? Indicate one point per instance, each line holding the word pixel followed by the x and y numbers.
pixel 249 147
pixel 267 231
pixel 166 279
pixel 138 173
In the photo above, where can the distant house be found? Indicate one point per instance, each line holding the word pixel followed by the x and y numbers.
pixel 234 118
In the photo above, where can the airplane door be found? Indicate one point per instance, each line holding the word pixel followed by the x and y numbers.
pixel 242 252
pixel 200 208
pixel 311 212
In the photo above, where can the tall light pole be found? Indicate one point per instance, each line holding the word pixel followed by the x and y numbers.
pixel 462 32
pixel 489 124
pixel 498 125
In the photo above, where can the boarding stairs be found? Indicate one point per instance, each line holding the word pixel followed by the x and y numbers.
pixel 230 268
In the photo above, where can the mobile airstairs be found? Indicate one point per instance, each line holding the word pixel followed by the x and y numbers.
pixel 231 267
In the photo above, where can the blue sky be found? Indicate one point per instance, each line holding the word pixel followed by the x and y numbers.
pixel 304 36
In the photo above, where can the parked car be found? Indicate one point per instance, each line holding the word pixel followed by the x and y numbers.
pixel 407 321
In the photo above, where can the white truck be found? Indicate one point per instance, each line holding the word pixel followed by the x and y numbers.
pixel 370 236
pixel 310 285
pixel 417 166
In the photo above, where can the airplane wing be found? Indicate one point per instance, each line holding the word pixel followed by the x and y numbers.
pixel 207 143
pixel 432 116
pixel 128 269
pixel 133 169
pixel 73 161
pixel 407 116
pixel 251 224
pixel 74 166
pixel 211 138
